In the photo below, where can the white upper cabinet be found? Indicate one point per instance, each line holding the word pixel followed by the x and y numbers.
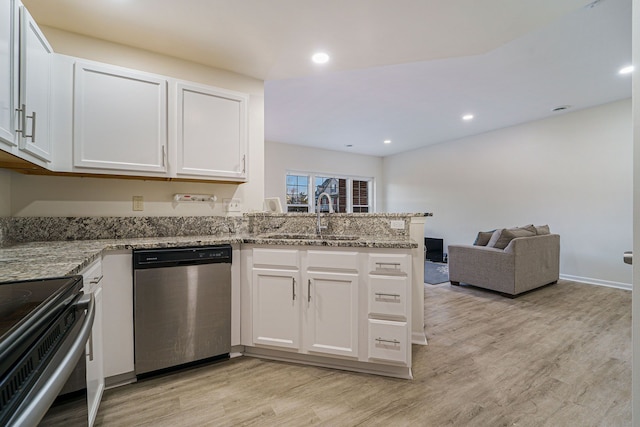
pixel 25 86
pixel 211 132
pixel 35 89
pixel 120 119
pixel 8 74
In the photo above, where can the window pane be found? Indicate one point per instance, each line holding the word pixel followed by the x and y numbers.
pixel 336 188
pixel 360 193
pixel 297 193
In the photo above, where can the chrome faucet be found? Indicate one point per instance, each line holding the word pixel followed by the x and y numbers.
pixel 319 226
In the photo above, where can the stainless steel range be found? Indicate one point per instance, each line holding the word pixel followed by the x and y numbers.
pixel 44 327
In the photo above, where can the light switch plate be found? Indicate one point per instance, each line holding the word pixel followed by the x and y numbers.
pixel 397 224
pixel 138 203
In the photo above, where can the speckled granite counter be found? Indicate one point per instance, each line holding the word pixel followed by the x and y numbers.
pixel 26 261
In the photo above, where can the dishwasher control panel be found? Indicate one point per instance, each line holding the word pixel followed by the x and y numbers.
pixel 155 258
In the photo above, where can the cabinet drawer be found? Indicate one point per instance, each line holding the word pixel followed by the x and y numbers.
pixel 332 260
pixel 388 296
pixel 389 264
pixel 388 341
pixel 275 257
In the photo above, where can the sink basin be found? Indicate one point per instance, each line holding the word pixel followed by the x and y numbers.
pixel 309 236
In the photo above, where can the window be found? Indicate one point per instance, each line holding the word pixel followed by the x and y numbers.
pixel 347 194
pixel 297 193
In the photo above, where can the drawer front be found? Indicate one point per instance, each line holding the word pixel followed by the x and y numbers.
pixel 389 264
pixel 388 296
pixel 332 260
pixel 275 257
pixel 388 341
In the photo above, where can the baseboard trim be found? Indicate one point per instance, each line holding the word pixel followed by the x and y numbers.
pixel 418 338
pixel 598 282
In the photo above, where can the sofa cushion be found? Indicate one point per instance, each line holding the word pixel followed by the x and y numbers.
pixel 530 227
pixel 483 238
pixel 542 230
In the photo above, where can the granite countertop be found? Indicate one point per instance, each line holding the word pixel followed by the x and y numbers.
pixel 34 260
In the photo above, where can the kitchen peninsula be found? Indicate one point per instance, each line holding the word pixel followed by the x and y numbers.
pixel 341 276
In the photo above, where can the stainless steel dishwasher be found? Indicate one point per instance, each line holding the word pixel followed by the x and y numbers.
pixel 182 306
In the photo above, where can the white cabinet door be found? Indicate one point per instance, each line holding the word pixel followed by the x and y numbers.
pixel 331 313
pixel 212 132
pixel 120 119
pixel 35 89
pixel 8 74
pixel 276 307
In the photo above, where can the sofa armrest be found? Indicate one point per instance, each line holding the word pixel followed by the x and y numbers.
pixel 537 260
pixel 482 266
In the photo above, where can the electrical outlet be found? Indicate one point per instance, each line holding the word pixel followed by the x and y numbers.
pixel 231 205
pixel 397 224
pixel 138 203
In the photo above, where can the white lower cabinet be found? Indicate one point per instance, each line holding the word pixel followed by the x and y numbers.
pixel 350 305
pixel 92 278
pixel 118 316
pixel 276 308
pixel 389 308
pixel 331 314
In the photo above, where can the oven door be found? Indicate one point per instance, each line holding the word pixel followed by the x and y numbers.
pixel 54 375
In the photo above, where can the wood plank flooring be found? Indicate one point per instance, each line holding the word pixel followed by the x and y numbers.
pixel 558 356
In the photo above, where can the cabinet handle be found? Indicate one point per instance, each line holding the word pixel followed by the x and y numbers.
pixel 95 280
pixel 380 294
pixel 394 264
pixel 394 342
pixel 309 291
pixel 244 163
pixel 33 127
pixel 21 119
pixel 163 156
pixel 293 287
pixel 91 347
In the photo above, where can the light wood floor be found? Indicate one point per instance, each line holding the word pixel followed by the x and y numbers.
pixel 559 356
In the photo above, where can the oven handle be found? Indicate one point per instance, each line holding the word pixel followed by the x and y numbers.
pixel 62 365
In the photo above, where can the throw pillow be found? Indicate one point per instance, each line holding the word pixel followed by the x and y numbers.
pixel 494 237
pixel 483 238
pixel 542 229
pixel 530 227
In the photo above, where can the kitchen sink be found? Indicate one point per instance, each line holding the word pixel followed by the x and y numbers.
pixel 286 236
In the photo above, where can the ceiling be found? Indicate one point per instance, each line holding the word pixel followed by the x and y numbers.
pixel 404 70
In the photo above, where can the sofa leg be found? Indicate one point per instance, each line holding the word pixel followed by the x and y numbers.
pixel 454 283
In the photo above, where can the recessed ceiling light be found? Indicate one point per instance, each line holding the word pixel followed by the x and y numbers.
pixel 387 141
pixel 320 58
pixel 626 70
pixel 467 117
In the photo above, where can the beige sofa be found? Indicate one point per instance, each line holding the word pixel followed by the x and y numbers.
pixel 525 263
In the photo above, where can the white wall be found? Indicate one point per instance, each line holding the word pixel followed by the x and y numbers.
pixel 635 311
pixel 280 158
pixel 573 172
pixel 57 196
